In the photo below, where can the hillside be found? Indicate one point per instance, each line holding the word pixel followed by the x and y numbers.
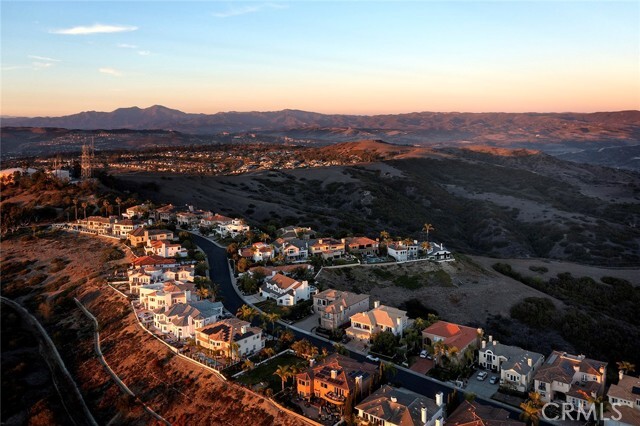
pixel 46 272
pixel 525 205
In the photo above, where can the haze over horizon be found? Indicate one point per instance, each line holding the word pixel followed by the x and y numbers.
pixel 363 58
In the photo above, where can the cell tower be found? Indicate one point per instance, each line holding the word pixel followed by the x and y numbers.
pixel 86 161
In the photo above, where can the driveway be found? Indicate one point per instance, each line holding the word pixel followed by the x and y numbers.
pixel 309 323
pixel 482 388
pixel 422 365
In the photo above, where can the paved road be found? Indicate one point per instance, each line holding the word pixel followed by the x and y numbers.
pixel 219 274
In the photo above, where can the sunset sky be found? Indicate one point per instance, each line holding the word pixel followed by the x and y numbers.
pixel 355 57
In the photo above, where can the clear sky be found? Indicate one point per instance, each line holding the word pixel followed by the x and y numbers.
pixel 357 57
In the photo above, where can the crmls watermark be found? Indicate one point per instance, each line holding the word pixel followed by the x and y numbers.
pixel 566 411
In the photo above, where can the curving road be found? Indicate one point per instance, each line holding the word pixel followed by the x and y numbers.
pixel 220 274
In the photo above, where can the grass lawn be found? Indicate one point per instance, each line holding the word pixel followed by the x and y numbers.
pixel 264 372
pixel 271 306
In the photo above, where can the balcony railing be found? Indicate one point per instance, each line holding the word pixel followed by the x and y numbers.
pixel 335 398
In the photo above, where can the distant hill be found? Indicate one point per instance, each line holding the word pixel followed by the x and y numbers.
pixel 418 127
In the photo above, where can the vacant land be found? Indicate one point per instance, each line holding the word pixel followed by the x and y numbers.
pixel 44 273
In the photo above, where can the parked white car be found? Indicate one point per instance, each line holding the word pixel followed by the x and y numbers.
pixel 482 375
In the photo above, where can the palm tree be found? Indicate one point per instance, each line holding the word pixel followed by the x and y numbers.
pixel 203 292
pixel 452 354
pixel 247 365
pixel 284 373
pixel 287 336
pixel 440 349
pixel 426 228
pixel 84 207
pixel 105 203
pixel 626 366
pixel 536 399
pixel 119 202
pixel 530 413
pixel 234 348
pixel 75 205
pixel 601 404
pixel 247 313
pixel 426 246
pixel 271 318
pixel 268 352
pixel 384 235
pixel 264 237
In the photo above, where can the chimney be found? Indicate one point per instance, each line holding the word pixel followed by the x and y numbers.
pixel 439 399
pixel 243 329
pixel 394 399
pixel 438 422
pixel 620 375
pixel 342 240
pixel 423 415
pixel 495 342
pixel 484 344
pixel 334 374
pixel 376 304
pixel 312 362
pixel 530 362
pixel 490 338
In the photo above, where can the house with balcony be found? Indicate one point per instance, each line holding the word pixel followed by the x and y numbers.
pixel 451 335
pixel 231 337
pixel 515 365
pixel 139 236
pixel 285 290
pixel 402 251
pixel 364 325
pixel 155 274
pixel 166 213
pixel 361 246
pixel 391 406
pixel 182 319
pixel 122 227
pixel 328 248
pixel 299 232
pixel 152 260
pixel 135 211
pixel 293 250
pixel 335 378
pixel 165 248
pixel 233 228
pixel 168 293
pixel 624 397
pixel 258 252
pixel 335 307
pixel 567 378
pixel 97 224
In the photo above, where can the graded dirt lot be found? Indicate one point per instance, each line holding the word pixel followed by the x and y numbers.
pixel 462 291
pixel 44 273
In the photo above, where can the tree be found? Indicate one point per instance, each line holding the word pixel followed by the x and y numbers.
pixel 426 246
pixel 75 206
pixel 440 349
pixel 247 313
pixel 530 413
pixel 626 367
pixel 385 236
pixel 203 292
pixel 84 208
pixel 106 204
pixel 264 237
pixel 304 349
pixel 234 350
pixel 340 349
pixel 286 337
pixel 247 365
pixel 413 338
pixel 242 265
pixel 268 352
pixel 283 372
pixel 119 203
pixel 599 402
pixel 385 343
pixel 427 227
pixel 271 318
pixel 388 370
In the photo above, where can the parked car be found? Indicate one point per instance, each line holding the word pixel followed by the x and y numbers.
pixel 346 339
pixel 424 353
pixel 373 358
pixel 482 375
pixel 493 380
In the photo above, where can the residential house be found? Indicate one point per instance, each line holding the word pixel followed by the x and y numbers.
pixel 139 236
pixel 567 378
pixel 362 246
pixel 212 221
pixel 624 398
pixel 144 275
pixel 269 271
pixel 168 293
pixel 122 227
pixel 476 414
pixel 153 260
pixel 258 252
pixel 291 232
pixel 135 211
pixel 231 337
pixel 293 250
pixel 452 335
pixel 233 228
pixel 191 217
pixel 166 213
pixel 336 378
pixel 439 253
pixel 391 406
pixel 515 365
pixel 98 224
pixel 402 251
pixel 336 307
pixel 182 319
pixel 166 248
pixel 364 325
pixel 328 248
pixel 285 290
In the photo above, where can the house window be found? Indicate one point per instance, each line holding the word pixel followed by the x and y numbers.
pixel 323 385
pixel 638 402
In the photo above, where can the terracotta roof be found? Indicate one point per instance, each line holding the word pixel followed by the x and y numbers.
pixel 630 415
pixel 456 335
pixel 474 414
pixel 382 315
pixel 152 260
pixel 138 232
pixel 282 281
pixel 229 330
pixel 561 367
pixel 361 241
pixel 625 389
pixel 347 370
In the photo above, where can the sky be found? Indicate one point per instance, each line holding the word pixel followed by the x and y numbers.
pixel 353 57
